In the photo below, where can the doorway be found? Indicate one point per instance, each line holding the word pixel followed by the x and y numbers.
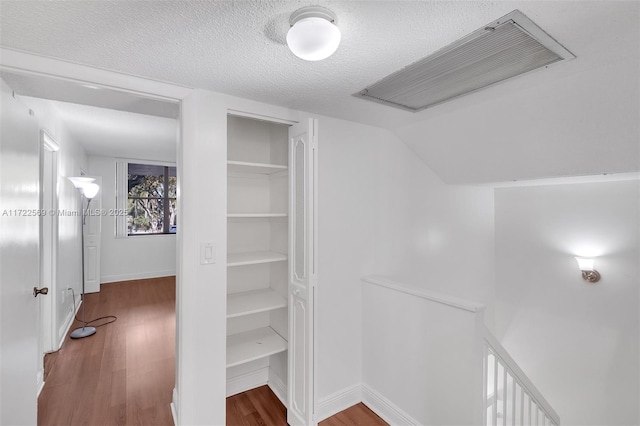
pixel 58 231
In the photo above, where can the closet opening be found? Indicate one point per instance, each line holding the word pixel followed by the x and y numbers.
pixel 258 259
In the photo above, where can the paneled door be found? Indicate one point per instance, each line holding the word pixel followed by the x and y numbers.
pixel 92 241
pixel 303 157
pixel 19 260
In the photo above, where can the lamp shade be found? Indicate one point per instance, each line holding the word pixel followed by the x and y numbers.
pixel 585 264
pixel 313 36
pixel 90 190
pixel 80 181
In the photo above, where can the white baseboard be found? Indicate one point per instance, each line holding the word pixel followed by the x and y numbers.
pixel 105 279
pixel 40 381
pixel 386 409
pixel 338 401
pixel 174 406
pixel 66 324
pixel 278 387
pixel 244 382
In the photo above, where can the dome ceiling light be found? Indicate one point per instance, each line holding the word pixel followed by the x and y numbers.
pixel 313 35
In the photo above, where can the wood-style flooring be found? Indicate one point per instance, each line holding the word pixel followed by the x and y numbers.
pixel 261 406
pixel 125 373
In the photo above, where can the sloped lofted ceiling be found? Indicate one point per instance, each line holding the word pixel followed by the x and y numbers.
pixel 577 118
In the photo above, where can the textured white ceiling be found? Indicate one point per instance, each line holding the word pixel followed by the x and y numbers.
pixel 237 47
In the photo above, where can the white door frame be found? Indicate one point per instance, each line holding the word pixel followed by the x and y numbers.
pixel 48 247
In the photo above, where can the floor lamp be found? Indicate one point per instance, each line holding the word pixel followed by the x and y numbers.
pixel 88 189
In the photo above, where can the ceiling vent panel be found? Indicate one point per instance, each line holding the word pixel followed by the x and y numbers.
pixel 508 47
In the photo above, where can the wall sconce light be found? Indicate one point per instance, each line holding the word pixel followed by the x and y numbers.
pixel 588 271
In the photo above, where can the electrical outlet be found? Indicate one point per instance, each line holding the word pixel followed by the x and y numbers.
pixel 63 296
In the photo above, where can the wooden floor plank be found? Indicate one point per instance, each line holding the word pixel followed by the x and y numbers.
pixel 359 414
pixel 260 406
pixel 125 373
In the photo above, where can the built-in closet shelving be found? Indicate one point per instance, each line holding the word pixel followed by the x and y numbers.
pixel 258 168
pixel 252 302
pixel 253 345
pixel 254 257
pixel 257 259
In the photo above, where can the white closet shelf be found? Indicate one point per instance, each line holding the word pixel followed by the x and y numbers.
pixel 256 215
pixel 254 257
pixel 252 302
pixel 257 168
pixel 252 345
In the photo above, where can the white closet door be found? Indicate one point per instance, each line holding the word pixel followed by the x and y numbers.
pixel 303 157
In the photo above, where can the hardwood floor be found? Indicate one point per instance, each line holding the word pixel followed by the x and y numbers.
pixel 124 374
pixel 359 414
pixel 260 406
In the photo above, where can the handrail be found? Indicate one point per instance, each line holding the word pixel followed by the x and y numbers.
pixel 493 346
pixel 517 373
pixel 444 299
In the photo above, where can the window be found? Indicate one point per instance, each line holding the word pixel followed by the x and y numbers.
pixel 151 199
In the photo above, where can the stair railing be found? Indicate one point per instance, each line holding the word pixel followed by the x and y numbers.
pixel 510 399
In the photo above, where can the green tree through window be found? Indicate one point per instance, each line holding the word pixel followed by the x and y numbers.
pixel 151 204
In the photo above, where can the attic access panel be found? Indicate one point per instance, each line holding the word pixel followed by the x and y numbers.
pixel 505 48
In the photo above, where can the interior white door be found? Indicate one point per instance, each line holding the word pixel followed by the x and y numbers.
pixel 303 157
pixel 92 229
pixel 19 263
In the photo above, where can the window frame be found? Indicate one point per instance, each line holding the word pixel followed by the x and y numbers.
pixel 122 197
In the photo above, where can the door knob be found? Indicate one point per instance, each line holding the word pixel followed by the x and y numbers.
pixel 37 291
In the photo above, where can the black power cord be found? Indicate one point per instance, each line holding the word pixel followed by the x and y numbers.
pixel 114 318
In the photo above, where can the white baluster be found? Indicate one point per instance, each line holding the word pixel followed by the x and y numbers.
pixel 485 380
pixel 513 401
pixel 521 406
pixel 505 398
pixel 495 393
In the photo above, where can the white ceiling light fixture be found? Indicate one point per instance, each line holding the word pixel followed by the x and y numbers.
pixel 313 35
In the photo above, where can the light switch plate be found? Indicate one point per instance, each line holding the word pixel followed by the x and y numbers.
pixel 207 253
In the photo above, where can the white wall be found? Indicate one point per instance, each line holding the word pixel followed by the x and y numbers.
pixel 72 159
pixel 430 234
pixel 577 342
pixel 201 304
pixel 128 258
pixel 383 211
pixel 423 356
